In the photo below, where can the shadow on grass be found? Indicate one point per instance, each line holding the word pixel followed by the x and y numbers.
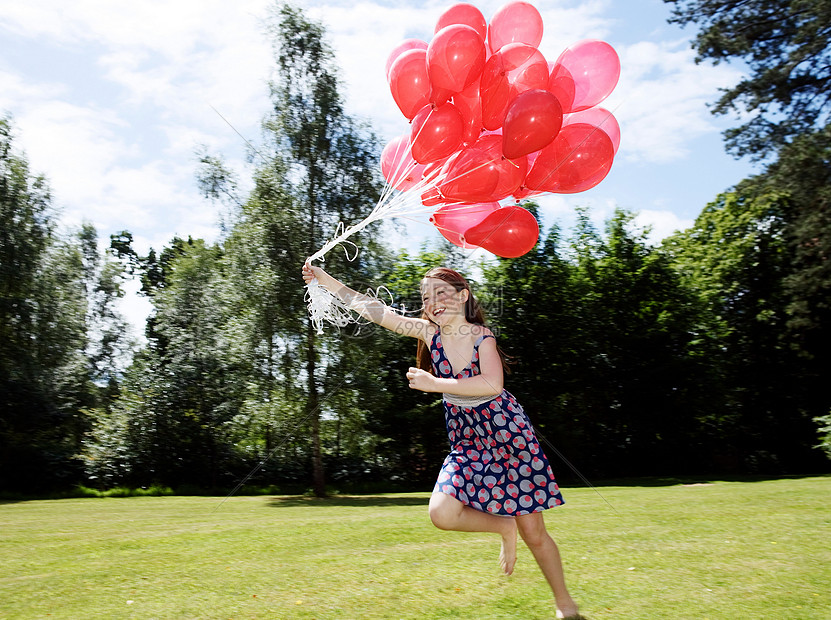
pixel 360 501
pixel 659 481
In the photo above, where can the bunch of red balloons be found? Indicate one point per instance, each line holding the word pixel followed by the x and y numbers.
pixel 491 118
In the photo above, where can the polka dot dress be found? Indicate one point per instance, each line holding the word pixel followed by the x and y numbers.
pixel 495 463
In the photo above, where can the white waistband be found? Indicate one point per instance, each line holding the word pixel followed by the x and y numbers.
pixel 467 402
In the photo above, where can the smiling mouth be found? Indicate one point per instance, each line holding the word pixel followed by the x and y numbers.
pixel 438 311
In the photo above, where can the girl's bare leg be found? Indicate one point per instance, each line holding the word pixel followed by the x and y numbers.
pixel 533 532
pixel 448 513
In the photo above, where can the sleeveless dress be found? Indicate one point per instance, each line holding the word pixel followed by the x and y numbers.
pixel 495 463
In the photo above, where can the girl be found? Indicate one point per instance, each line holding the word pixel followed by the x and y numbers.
pixel 496 477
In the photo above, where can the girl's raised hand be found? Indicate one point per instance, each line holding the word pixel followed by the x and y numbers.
pixel 421 380
pixel 310 272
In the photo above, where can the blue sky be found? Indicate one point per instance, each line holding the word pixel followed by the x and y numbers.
pixel 111 98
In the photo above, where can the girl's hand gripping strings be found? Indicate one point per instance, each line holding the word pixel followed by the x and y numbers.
pixel 422 380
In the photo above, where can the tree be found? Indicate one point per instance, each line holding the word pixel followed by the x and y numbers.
pixel 58 331
pixel 320 169
pixel 787 47
pixel 603 334
pixel 788 97
pixel 172 422
pixel 736 257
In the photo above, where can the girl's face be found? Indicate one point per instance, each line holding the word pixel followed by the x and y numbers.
pixel 443 304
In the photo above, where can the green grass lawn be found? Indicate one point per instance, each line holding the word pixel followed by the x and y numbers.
pixel 732 550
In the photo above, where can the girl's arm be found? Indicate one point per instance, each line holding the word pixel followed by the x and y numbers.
pixel 369 307
pixel 487 383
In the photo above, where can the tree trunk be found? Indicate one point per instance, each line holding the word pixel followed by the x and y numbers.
pixel 313 409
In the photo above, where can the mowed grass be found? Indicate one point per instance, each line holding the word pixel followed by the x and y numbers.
pixel 731 550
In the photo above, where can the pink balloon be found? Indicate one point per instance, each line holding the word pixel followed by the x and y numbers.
pixel 398 166
pixel 469 105
pixel 454 219
pixel 507 232
pixel 594 68
pixel 404 46
pixel 579 158
pixel 515 22
pixel 514 69
pixel 464 13
pixel 480 173
pixel 409 84
pixel 436 132
pixel 455 58
pixel 533 120
pixel 561 85
pixel 600 118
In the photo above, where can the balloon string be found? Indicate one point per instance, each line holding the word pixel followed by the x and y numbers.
pixel 404 203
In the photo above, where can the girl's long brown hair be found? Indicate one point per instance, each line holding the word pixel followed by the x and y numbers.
pixel 473 314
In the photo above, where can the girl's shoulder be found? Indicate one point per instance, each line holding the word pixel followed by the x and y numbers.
pixel 483 332
pixel 430 332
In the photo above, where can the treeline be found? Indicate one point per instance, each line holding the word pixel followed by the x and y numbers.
pixel 706 354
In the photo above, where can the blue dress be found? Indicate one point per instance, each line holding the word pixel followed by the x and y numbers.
pixel 495 463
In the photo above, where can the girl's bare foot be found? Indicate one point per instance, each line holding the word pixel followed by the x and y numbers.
pixel 507 555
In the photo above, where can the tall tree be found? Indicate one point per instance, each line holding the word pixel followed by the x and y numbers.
pixel 56 341
pixel 173 416
pixel 320 169
pixel 735 256
pixel 787 97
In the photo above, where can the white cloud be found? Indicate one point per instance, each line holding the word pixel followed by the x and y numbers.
pixel 661 99
pixel 661 223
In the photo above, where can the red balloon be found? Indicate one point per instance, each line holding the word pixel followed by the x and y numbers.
pixel 523 192
pixel 578 159
pixel 404 46
pixel 533 120
pixel 507 232
pixel 515 22
pixel 470 107
pixel 409 84
pixel 455 58
pixel 600 118
pixel 594 68
pixel 514 69
pixel 480 173
pixel 464 13
pixel 436 132
pixel 398 166
pixel 454 219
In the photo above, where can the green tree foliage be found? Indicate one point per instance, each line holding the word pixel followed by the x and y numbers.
pixel 60 334
pixel 803 174
pixel 172 421
pixel 736 257
pixel 319 169
pixel 786 93
pixel 785 44
pixel 608 362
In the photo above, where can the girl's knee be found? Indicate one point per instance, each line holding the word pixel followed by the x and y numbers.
pixel 443 510
pixel 532 530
